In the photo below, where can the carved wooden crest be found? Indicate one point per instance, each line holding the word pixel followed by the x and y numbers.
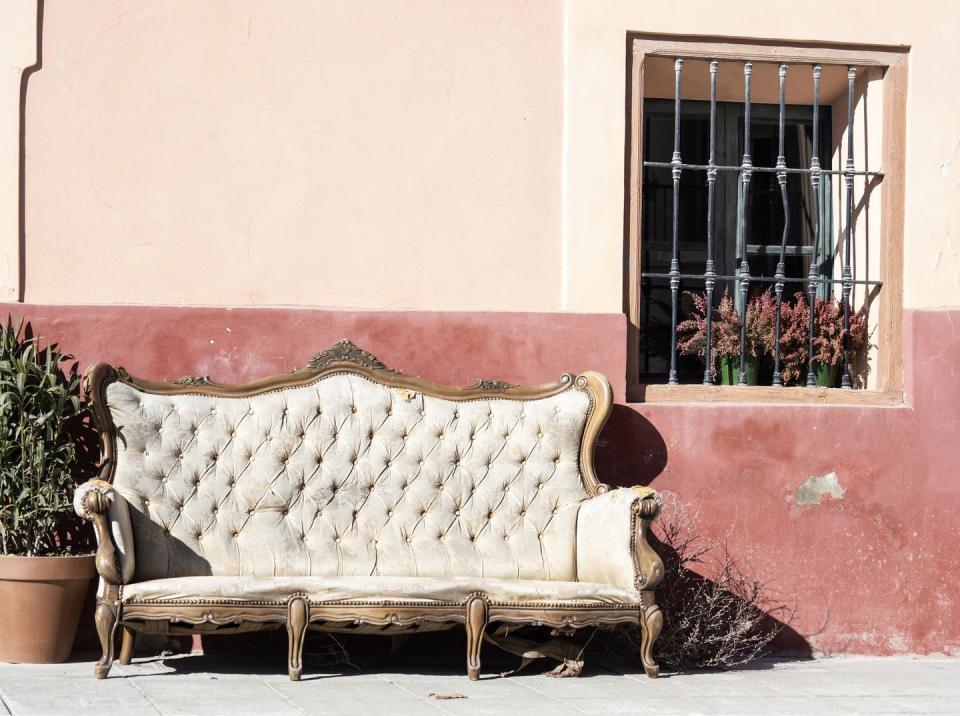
pixel 196 380
pixel 345 350
pixel 484 384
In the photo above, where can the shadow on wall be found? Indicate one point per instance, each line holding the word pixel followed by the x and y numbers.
pixel 22 166
pixel 630 450
pixel 720 621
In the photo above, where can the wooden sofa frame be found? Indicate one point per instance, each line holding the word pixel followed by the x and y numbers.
pixel 296 613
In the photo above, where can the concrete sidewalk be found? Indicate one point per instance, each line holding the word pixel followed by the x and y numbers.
pixel 218 685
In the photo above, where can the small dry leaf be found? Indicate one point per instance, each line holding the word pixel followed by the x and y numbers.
pixel 444 695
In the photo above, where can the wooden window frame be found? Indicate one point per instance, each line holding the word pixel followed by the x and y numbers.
pixel 892 61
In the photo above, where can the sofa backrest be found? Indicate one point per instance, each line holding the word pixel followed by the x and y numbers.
pixel 346 468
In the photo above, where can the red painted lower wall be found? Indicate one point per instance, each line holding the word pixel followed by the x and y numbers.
pixel 873 571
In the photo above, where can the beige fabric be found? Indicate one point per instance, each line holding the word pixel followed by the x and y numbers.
pixel 604 537
pixel 348 477
pixel 118 515
pixel 377 589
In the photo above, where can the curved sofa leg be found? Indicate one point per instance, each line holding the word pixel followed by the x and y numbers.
pixel 297 618
pixel 651 622
pixel 476 623
pixel 105 618
pixel 127 643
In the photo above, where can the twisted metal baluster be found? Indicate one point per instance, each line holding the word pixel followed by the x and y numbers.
pixel 813 274
pixel 746 172
pixel 675 163
pixel 709 274
pixel 778 276
pixel 847 274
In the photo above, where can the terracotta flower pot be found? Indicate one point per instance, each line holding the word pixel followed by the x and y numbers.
pixel 40 603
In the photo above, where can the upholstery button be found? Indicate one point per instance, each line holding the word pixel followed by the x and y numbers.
pixel 180 457
pixel 353 408
pixel 409 539
pixel 423 513
pixel 285 513
pixel 373 541
pixel 236 534
pixel 159 431
pixel 250 511
pixel 146 503
pixel 490 515
pixel 286 412
pixel 389 513
pixel 214 511
pixel 389 463
pixel 231 483
pixel 456 463
pixel 180 508
pixel 269 438
pixel 163 481
pixel 233 433
pixel 539 485
pixel 420 461
pixel 213 411
pixel 457 513
pixel 439 488
pixel 196 432
pixel 506 488
pixel 250 412
pixel 145 453
pixel 523 513
pixel 337 540
pixel 506 538
pixel 539 435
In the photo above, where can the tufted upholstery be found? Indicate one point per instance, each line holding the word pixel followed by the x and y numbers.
pixel 347 477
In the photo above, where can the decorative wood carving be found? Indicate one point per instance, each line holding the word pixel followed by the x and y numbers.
pixel 196 380
pixel 346 350
pixel 651 622
pixel 298 616
pixel 484 384
pixel 476 623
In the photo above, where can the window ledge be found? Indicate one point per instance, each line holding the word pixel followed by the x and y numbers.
pixel 732 394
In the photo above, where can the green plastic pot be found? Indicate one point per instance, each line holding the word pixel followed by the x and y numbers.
pixel 827 376
pixel 730 370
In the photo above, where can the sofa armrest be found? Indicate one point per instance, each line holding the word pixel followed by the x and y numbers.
pixel 97 501
pixel 612 545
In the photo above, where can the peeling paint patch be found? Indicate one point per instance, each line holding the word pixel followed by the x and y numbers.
pixel 816 486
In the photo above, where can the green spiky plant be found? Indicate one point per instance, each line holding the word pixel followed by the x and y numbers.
pixel 38 399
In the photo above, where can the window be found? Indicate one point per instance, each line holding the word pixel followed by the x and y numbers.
pixel 772 226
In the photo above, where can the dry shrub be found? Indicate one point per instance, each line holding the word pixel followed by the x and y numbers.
pixel 720 620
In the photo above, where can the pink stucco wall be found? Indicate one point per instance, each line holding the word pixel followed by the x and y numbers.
pixel 872 571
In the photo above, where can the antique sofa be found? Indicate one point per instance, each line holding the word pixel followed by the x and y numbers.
pixel 346 497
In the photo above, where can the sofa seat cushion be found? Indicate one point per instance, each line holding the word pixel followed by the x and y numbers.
pixel 238 590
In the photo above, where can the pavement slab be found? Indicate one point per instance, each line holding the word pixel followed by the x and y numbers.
pixel 219 684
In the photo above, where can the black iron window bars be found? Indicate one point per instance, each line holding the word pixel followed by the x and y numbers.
pixel 746 169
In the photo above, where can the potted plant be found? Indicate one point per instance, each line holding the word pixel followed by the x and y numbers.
pixel 42 585
pixel 725 329
pixel 828 340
